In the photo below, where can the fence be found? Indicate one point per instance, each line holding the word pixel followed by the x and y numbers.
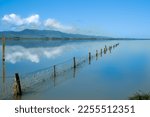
pixel 55 74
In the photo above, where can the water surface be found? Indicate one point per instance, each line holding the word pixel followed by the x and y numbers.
pixel 115 75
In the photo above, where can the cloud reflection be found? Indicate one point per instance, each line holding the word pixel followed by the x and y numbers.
pixel 18 53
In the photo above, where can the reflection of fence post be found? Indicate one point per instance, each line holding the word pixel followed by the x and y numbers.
pixel 74 62
pixel 3 71
pixel 18 85
pixel 74 72
pixel 89 57
pixel 54 71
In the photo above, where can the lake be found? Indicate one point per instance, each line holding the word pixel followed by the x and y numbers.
pixel 117 74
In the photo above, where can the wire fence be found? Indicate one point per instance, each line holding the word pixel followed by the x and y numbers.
pixel 54 75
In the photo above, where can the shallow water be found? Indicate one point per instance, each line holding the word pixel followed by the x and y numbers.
pixel 115 75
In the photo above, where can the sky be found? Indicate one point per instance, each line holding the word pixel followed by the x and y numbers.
pixel 113 18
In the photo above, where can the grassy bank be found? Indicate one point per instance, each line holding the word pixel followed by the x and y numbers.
pixel 140 96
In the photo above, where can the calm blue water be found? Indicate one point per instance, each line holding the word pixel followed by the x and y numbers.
pixel 35 55
pixel 115 75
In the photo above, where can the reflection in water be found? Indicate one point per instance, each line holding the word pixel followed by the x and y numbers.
pixel 54 77
pixel 3 65
pixel 74 72
pixel 114 76
pixel 3 78
pixel 18 53
pixel 56 72
pixel 3 71
pixel 58 75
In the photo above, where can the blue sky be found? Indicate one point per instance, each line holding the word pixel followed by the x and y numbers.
pixel 115 18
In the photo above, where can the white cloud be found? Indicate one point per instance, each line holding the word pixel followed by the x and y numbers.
pixel 54 24
pixel 16 22
pixel 34 19
pixel 12 19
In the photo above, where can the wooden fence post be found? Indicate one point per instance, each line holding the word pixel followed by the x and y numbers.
pixel 18 85
pixel 101 52
pixel 3 48
pixel 104 50
pixel 89 57
pixel 54 71
pixel 110 49
pixel 74 62
pixel 96 53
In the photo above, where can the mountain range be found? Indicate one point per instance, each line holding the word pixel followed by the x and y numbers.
pixel 46 34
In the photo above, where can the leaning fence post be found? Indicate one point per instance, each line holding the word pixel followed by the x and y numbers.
pixel 18 85
pixel 74 62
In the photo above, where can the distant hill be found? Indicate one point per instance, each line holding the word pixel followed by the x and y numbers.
pixel 46 34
